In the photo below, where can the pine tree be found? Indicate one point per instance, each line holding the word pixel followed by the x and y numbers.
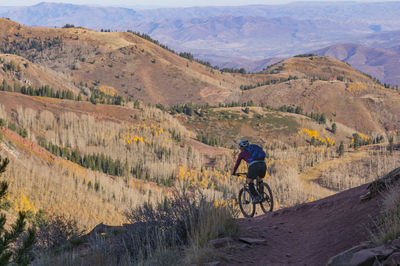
pixel 10 250
pixel 334 128
pixel 357 141
pixel 322 119
pixel 340 150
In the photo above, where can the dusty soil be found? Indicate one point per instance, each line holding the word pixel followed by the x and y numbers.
pixel 308 234
pixel 26 145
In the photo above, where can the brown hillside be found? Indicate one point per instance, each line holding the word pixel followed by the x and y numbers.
pixel 317 67
pixel 229 124
pixel 128 65
pixel 123 61
pixel 380 63
pixel 326 85
pixel 26 73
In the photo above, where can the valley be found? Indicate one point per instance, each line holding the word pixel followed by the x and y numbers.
pixel 100 126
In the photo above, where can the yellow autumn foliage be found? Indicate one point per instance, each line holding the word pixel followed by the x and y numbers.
pixel 107 90
pixel 316 135
pixel 356 88
pixel 363 138
pixel 378 86
pixel 23 204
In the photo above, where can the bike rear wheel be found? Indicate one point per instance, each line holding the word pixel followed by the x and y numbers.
pixel 267 203
pixel 246 204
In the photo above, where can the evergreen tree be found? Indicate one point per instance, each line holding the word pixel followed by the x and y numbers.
pixel 340 150
pixel 357 141
pixel 333 128
pixel 299 110
pixel 12 251
pixel 322 119
pixel 313 141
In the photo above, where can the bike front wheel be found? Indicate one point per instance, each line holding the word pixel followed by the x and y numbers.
pixel 246 204
pixel 267 203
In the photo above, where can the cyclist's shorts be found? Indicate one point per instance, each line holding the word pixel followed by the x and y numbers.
pixel 257 169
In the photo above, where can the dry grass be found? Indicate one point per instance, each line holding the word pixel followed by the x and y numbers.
pixel 175 231
pixel 62 188
pixel 358 168
pixel 387 226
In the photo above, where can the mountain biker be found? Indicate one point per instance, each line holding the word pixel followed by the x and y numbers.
pixel 256 169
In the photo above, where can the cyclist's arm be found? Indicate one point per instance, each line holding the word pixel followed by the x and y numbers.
pixel 241 157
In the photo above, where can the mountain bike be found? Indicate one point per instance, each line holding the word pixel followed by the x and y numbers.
pixel 247 207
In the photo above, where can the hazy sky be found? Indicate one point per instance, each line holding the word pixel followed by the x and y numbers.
pixel 159 3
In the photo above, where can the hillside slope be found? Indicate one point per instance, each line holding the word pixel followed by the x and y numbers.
pixel 55 182
pixel 16 70
pixel 122 62
pixel 294 27
pixel 323 84
pixel 379 63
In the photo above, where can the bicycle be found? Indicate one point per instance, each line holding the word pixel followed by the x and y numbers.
pixel 247 207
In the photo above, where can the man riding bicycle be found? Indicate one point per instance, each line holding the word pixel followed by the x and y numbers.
pixel 255 159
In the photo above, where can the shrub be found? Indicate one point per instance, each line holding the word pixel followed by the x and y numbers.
pixel 157 232
pixel 55 231
pixel 334 128
pixel 340 150
pixel 66 26
pixel 388 224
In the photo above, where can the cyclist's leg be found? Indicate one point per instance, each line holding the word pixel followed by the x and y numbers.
pixel 261 171
pixel 251 175
pixel 260 187
pixel 252 188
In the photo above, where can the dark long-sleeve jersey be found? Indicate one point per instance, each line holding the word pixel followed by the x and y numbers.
pixel 243 155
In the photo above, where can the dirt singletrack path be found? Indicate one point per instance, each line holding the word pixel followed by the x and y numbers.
pixel 307 234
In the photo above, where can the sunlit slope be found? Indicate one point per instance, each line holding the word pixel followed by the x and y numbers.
pixel 225 126
pixel 129 64
pixel 106 159
pixel 326 85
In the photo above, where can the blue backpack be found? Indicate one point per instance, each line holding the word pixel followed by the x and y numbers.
pixel 256 152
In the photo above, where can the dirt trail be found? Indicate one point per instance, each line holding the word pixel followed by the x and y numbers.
pixel 308 234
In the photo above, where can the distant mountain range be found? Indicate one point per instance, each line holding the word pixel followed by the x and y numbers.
pixel 246 36
pixel 383 14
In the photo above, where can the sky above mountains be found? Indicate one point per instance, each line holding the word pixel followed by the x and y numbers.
pixel 162 3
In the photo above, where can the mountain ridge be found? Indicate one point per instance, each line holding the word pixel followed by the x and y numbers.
pixel 370 19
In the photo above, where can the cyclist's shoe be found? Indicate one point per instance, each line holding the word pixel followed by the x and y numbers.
pixel 257 199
